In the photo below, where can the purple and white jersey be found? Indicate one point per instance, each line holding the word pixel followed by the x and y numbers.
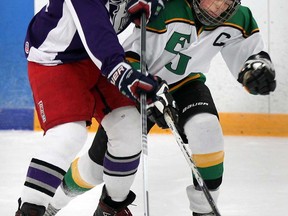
pixel 66 31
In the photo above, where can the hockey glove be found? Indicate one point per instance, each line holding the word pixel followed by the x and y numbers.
pixel 164 103
pixel 258 74
pixel 132 83
pixel 150 7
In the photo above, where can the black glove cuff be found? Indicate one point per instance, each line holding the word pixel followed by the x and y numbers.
pixel 260 55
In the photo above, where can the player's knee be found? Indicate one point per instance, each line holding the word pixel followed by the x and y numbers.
pixel 204 133
pixel 123 129
pixel 63 142
pixel 198 201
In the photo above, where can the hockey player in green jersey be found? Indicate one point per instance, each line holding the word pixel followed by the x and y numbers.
pixel 181 44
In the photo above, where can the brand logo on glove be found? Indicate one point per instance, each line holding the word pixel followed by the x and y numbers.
pixel 117 73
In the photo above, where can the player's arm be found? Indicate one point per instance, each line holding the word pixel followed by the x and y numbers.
pixel 244 55
pixel 101 43
pixel 258 74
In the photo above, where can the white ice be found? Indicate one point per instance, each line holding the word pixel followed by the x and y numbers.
pixel 255 181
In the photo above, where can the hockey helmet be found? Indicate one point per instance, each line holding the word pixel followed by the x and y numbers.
pixel 214 12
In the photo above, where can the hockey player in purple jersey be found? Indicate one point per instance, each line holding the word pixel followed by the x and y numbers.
pixel 77 70
pixel 181 43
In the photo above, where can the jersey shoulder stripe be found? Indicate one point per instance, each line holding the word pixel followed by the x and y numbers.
pixel 242 20
pixel 175 11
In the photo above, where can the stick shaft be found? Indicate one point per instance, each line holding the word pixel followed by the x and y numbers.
pixel 143 110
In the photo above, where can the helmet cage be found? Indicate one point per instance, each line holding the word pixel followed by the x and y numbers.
pixel 207 19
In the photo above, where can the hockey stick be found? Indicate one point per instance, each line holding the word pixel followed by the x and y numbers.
pixel 143 110
pixel 187 154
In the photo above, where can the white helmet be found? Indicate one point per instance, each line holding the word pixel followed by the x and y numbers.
pixel 214 12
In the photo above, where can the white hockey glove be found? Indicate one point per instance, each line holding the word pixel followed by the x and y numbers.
pixel 132 83
pixel 164 103
pixel 150 7
pixel 258 74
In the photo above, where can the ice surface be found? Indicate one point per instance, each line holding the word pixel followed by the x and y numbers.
pixel 255 181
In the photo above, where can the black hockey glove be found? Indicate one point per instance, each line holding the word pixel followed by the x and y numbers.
pixel 150 7
pixel 164 103
pixel 132 83
pixel 258 74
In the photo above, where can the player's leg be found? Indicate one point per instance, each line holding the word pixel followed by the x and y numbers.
pixel 199 120
pixel 122 125
pixel 63 119
pixel 84 173
pixel 205 139
pixel 48 166
pixel 121 159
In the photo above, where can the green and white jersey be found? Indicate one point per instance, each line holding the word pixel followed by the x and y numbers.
pixel 175 47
